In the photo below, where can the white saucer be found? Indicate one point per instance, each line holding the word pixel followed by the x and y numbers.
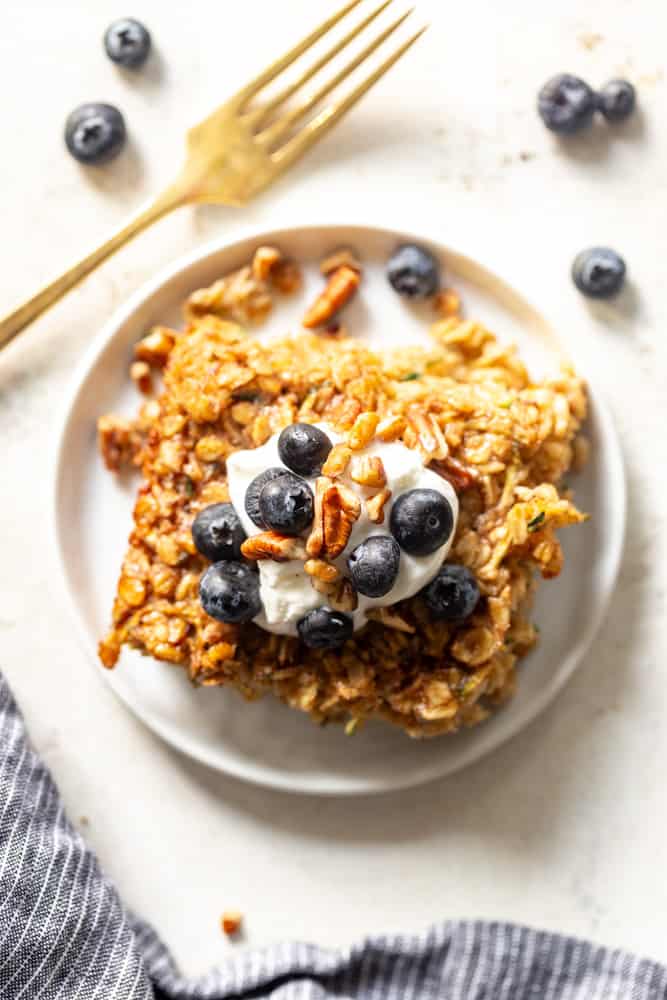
pixel 266 742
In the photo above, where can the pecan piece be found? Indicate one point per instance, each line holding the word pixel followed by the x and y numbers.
pixel 230 921
pixel 321 570
pixel 154 349
pixel 340 509
pixel 271 545
pixel 363 430
pixel 315 542
pixel 457 474
pixel 375 506
pixel 140 374
pixel 447 303
pixel 344 597
pixel 337 460
pixel 264 261
pixel 390 428
pixel 368 470
pixel 342 284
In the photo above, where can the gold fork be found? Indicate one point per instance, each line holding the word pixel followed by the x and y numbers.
pixel 240 148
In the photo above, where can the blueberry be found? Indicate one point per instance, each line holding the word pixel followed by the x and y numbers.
pixel 229 591
pixel 127 42
pixel 413 271
pixel 218 533
pixel 566 104
pixel 304 449
pixel 324 629
pixel 598 272
pixel 617 100
pixel 453 594
pixel 254 490
pixel 286 504
pixel 421 521
pixel 374 565
pixel 95 133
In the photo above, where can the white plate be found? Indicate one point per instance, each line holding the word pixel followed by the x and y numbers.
pixel 266 742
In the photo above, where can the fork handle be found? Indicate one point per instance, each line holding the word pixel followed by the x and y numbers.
pixel 19 318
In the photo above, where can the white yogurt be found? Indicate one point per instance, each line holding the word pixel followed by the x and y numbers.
pixel 285 588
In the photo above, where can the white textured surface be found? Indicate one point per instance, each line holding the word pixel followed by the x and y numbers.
pixel 563 827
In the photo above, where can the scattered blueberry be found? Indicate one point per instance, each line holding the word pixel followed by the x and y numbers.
pixel 598 272
pixel 324 629
pixel 304 449
pixel 229 591
pixel 566 104
pixel 374 565
pixel 218 533
pixel 617 100
pixel 286 504
pixel 254 490
pixel 453 594
pixel 95 133
pixel 421 521
pixel 127 42
pixel 413 271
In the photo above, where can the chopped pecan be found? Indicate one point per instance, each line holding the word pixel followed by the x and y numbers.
pixel 344 597
pixel 339 258
pixel 239 296
pixel 342 284
pixel 447 303
pixel 368 470
pixel 375 506
pixel 264 261
pixel 340 509
pixel 390 428
pixel 390 619
pixel 321 570
pixel 231 921
pixel 337 460
pixel 140 373
pixel 154 349
pixel 271 545
pixel 363 430
pixel 457 474
pixel 315 542
pixel 286 276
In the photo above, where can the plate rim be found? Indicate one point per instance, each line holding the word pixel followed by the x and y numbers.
pixel 259 775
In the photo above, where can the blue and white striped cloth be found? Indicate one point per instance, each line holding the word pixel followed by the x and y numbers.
pixel 65 934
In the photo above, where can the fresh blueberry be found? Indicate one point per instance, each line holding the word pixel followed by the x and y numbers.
pixel 127 42
pixel 324 629
pixel 617 100
pixel 421 521
pixel 95 133
pixel 254 490
pixel 413 271
pixel 598 272
pixel 229 591
pixel 566 104
pixel 286 504
pixel 304 449
pixel 218 533
pixel 374 565
pixel 453 594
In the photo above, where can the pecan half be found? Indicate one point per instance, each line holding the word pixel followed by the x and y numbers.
pixel 375 506
pixel 368 470
pixel 271 545
pixel 315 542
pixel 342 284
pixel 340 509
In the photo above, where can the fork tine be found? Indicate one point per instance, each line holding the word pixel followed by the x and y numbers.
pixel 260 114
pixel 327 118
pixel 279 128
pixel 279 65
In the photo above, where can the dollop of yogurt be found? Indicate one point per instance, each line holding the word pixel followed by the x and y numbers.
pixel 285 588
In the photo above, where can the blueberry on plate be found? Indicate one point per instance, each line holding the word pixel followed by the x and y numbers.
pixel 229 591
pixel 286 504
pixel 304 449
pixel 127 42
pixel 322 628
pixel 374 565
pixel 566 104
pixel 453 594
pixel 254 490
pixel 413 271
pixel 95 133
pixel 598 272
pixel 218 533
pixel 421 521
pixel 617 100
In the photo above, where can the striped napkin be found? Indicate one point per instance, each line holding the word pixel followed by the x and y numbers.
pixel 65 933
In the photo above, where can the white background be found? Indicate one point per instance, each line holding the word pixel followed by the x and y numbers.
pixel 563 828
